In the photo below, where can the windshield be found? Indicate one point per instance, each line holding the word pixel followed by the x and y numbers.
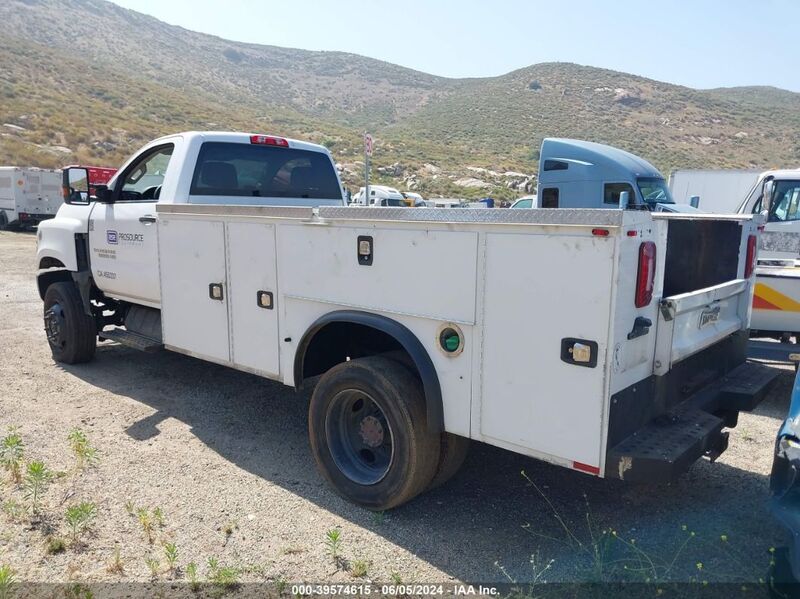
pixel 654 190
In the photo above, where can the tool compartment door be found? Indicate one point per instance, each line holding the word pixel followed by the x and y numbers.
pixel 192 259
pixel 253 282
pixel 541 290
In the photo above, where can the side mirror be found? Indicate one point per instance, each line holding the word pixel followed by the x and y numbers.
pixel 75 185
pixel 694 201
pixel 103 194
pixel 624 199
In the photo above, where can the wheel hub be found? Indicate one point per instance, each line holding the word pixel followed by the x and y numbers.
pixel 54 324
pixel 371 431
pixel 359 437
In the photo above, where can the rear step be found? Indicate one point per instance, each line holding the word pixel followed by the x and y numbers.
pixel 131 339
pixel 666 446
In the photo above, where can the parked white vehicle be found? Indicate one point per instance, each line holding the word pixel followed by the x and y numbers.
pixel 776 302
pixel 524 202
pixel 719 190
pixel 616 350
pixel 28 195
pixel 380 195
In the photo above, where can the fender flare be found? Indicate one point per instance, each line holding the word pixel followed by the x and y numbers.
pixel 410 343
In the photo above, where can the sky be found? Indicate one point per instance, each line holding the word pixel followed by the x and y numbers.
pixel 698 43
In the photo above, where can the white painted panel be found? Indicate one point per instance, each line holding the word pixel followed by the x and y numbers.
pixel 559 286
pixel 192 255
pixel 251 268
pixel 420 272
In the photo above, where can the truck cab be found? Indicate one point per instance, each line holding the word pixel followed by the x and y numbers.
pixel 380 195
pixel 117 223
pixel 583 174
pixel 778 193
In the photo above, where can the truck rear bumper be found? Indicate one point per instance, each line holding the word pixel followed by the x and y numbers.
pixel 668 444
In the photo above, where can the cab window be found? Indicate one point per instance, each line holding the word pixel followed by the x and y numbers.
pixel 550 197
pixel 143 179
pixel 235 169
pixel 612 191
pixel 785 202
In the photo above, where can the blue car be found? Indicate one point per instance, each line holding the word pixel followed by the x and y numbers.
pixel 785 478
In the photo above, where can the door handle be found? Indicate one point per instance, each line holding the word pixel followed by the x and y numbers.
pixel 147 219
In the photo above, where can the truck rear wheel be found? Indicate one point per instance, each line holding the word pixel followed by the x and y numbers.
pixel 369 433
pixel 71 333
pixel 453 452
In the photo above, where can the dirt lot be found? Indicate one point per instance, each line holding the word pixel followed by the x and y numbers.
pixel 225 456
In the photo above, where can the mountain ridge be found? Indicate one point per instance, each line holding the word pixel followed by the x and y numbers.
pixel 99 80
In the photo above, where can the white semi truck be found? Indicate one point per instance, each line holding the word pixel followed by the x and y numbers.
pixel 611 342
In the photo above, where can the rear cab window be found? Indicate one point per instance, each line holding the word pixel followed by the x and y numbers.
pixel 240 170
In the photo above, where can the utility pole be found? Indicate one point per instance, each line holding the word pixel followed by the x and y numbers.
pixel 367 155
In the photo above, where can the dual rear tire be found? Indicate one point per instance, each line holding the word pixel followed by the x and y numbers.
pixel 370 437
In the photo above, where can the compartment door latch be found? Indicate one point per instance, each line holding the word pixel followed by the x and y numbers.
pixel 579 352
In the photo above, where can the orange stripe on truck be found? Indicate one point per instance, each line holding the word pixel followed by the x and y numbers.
pixel 767 298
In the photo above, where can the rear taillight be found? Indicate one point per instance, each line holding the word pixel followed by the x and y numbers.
pixel 750 263
pixel 268 140
pixel 646 276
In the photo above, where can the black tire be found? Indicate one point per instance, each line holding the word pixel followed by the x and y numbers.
pixel 3 220
pixel 369 434
pixel 71 333
pixel 454 449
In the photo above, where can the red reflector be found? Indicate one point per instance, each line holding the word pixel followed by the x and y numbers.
pixel 645 278
pixel 268 140
pixel 586 468
pixel 600 232
pixel 750 261
pixel 632 233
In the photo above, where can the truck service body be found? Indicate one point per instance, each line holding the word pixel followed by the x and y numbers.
pixel 616 347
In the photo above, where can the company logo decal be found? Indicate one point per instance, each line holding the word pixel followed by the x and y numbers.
pixel 122 238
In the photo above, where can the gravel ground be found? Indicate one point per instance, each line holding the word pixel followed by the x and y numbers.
pixel 225 455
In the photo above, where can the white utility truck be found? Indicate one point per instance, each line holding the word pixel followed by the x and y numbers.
pixel 28 195
pixel 616 347
pixel 776 302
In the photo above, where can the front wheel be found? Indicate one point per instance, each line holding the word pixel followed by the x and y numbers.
pixel 369 433
pixel 71 333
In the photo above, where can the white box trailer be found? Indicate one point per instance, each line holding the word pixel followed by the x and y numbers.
pixel 611 342
pixel 720 191
pixel 28 195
